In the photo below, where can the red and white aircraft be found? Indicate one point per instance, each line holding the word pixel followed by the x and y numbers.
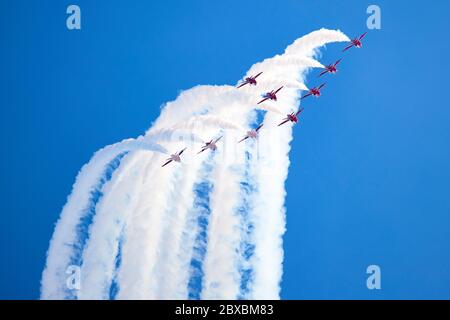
pixel 174 157
pixel 331 68
pixel 355 42
pixel 252 134
pixel 210 145
pixel 314 91
pixel 272 95
pixel 293 117
pixel 250 80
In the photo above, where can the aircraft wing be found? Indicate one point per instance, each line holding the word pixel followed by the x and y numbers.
pixel 257 75
pixel 259 127
pixel 279 89
pixel 284 121
pixel 337 62
pixel 321 86
pixel 262 100
pixel 179 153
pixel 218 139
pixel 245 138
pixel 348 47
pixel 306 95
pixel 299 111
pixel 165 164
pixel 362 36
pixel 242 84
pixel 323 72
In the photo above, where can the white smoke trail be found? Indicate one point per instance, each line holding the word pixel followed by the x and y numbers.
pixel 149 216
pixel 143 247
pixel 64 240
pixel 270 174
pixel 207 120
pixel 269 107
pixel 112 212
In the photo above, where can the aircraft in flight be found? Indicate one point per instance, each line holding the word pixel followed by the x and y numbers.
pixel 355 42
pixel 249 80
pixel 210 145
pixel 293 117
pixel 174 157
pixel 331 68
pixel 314 92
pixel 252 134
pixel 272 95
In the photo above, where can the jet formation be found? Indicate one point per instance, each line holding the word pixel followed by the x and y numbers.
pixel 210 145
pixel 331 68
pixel 174 157
pixel 252 133
pixel 355 42
pixel 250 80
pixel 272 95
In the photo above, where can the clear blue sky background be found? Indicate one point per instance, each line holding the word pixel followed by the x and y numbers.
pixel 369 181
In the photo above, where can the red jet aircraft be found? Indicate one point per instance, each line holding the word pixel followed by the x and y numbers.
pixel 174 157
pixel 330 68
pixel 250 80
pixel 293 117
pixel 314 92
pixel 252 134
pixel 355 42
pixel 210 145
pixel 272 95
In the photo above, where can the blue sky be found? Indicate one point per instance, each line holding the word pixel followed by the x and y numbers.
pixel 369 181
